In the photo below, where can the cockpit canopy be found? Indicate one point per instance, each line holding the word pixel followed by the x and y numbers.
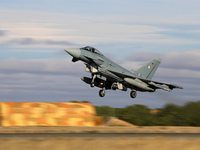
pixel 91 49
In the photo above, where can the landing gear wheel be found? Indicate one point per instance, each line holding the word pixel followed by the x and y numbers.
pixel 102 93
pixel 92 84
pixel 133 94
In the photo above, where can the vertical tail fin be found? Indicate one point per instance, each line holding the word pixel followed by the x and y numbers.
pixel 147 71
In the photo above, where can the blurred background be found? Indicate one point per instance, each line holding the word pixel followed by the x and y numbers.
pixel 34 34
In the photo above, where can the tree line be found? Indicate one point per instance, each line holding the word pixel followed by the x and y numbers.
pixel 170 115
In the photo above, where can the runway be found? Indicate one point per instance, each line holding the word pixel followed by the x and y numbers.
pixel 100 135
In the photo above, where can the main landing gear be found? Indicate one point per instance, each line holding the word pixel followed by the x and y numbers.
pixel 133 94
pixel 102 93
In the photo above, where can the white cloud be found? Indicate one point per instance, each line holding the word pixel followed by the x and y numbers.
pixel 83 28
pixel 41 66
pixel 40 80
pixel 188 60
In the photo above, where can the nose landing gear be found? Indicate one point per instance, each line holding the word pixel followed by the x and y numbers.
pixel 92 82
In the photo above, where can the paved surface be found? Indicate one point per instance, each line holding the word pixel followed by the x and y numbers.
pixel 100 135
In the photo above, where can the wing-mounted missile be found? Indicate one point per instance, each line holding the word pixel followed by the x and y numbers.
pixel 166 87
pixel 140 85
pixel 175 86
pixel 161 86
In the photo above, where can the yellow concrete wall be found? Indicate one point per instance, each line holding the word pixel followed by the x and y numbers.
pixel 47 114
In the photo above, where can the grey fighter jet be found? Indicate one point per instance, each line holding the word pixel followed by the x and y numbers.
pixel 106 74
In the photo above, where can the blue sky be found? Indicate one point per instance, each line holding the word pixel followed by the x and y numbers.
pixel 33 34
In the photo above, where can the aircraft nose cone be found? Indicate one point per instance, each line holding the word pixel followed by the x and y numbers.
pixel 74 52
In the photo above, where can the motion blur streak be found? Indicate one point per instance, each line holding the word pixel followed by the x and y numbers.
pixel 47 114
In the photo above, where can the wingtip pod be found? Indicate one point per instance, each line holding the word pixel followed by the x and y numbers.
pixel 176 86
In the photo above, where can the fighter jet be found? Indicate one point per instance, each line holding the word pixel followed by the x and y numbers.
pixel 108 75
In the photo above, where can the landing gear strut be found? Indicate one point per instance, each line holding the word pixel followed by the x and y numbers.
pixel 93 78
pixel 133 94
pixel 102 93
